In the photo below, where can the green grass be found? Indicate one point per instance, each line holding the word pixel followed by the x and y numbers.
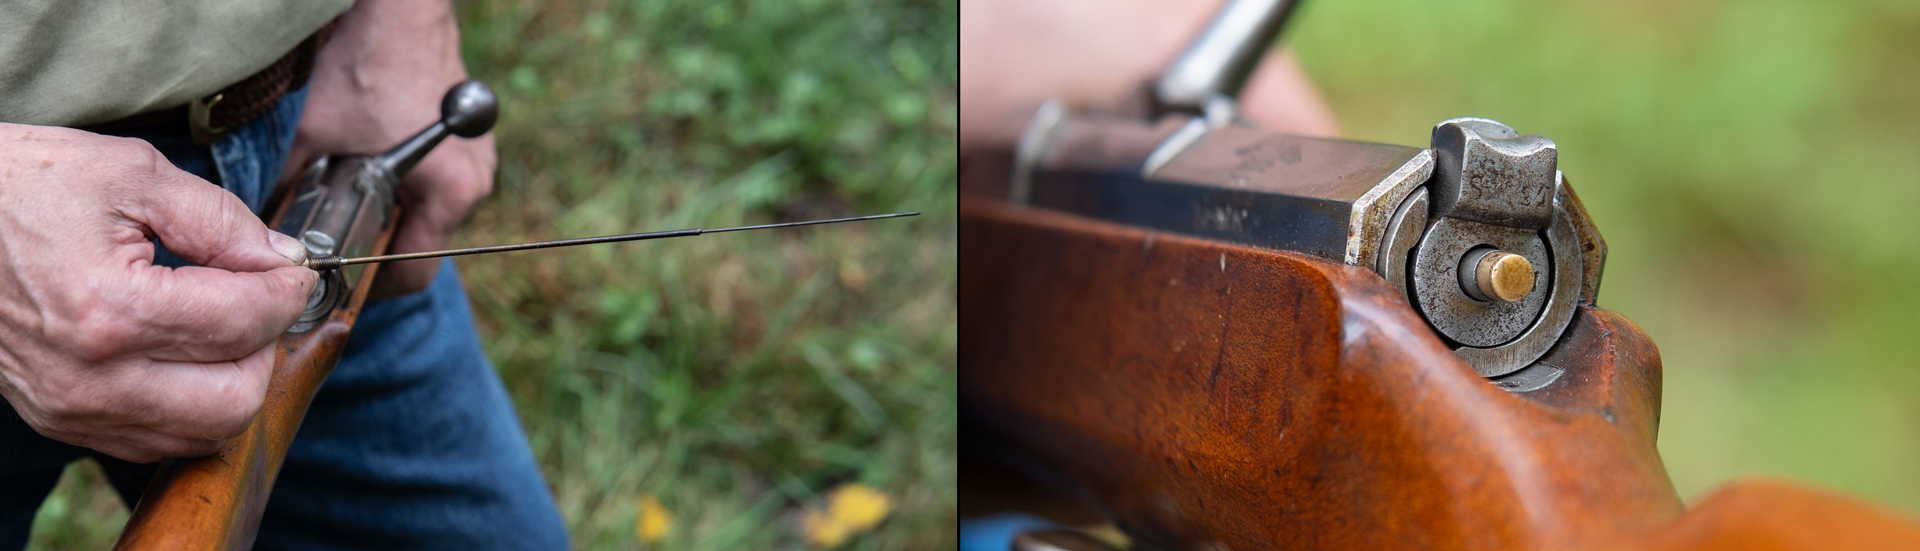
pixel 732 375
pixel 1751 167
pixel 735 376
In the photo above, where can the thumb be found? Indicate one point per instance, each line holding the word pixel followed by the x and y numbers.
pixel 208 226
pixel 200 314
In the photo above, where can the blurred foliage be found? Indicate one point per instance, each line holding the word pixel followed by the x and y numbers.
pixel 1750 166
pixel 82 512
pixel 732 380
pixel 737 377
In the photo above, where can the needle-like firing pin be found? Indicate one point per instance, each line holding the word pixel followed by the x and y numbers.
pixel 323 263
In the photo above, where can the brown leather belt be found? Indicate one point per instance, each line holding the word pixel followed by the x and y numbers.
pixel 209 118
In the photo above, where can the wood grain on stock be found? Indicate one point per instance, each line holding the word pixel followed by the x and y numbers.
pixel 1773 515
pixel 215 502
pixel 1210 396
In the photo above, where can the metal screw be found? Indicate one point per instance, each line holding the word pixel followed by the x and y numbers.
pixel 1492 274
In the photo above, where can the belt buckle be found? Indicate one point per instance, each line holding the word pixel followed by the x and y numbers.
pixel 200 120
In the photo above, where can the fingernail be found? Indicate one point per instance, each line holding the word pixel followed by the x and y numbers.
pixel 287 246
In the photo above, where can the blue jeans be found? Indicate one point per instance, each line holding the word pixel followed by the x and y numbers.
pixel 412 443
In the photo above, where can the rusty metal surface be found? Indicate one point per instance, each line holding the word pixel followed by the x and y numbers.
pixel 1567 246
pixel 1401 234
pixel 1487 172
pixel 1208 395
pixel 1593 249
pixel 1436 282
pixel 1493 187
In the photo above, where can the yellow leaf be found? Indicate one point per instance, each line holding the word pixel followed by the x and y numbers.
pixel 653 522
pixel 852 509
pixel 858 507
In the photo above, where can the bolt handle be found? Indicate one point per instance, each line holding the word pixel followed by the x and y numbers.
pixel 1215 66
pixel 468 110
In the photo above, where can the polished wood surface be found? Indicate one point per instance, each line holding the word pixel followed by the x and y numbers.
pixel 1776 515
pixel 215 502
pixel 1212 396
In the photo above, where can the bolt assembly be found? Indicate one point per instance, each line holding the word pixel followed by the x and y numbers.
pixel 1488 274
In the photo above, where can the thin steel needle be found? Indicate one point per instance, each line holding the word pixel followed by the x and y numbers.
pixel 323 263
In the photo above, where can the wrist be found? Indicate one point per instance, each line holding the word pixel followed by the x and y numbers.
pixel 394 46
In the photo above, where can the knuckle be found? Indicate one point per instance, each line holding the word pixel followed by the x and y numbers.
pixel 97 331
pixel 140 156
pixel 235 400
pixel 212 219
pixel 69 404
pixel 481 188
pixel 236 413
pixel 456 199
pixel 192 448
pixel 169 447
pixel 124 450
pixel 138 456
pixel 230 211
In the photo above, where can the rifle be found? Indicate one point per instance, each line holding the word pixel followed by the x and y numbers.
pixel 1222 338
pixel 343 209
pixel 341 205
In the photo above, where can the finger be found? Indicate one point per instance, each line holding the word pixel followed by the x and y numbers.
pixel 207 225
pixel 181 409
pixel 203 401
pixel 139 445
pixel 402 277
pixel 1280 97
pixel 438 196
pixel 110 432
pixel 444 187
pixel 201 314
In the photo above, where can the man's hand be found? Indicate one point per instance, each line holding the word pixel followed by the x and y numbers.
pixel 101 348
pixel 1015 54
pixel 377 82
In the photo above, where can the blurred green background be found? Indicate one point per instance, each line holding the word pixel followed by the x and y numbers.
pixel 735 377
pixel 1751 166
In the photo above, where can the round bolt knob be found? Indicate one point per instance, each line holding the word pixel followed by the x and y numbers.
pixel 1493 274
pixel 469 109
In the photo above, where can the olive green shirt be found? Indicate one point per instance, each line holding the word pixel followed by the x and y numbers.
pixel 77 62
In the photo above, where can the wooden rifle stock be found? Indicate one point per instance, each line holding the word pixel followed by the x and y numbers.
pixel 1207 395
pixel 215 502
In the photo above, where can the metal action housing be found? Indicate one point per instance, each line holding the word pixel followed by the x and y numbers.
pixel 344 204
pixel 1410 214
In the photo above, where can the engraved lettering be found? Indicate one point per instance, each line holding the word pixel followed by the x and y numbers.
pixel 1260 156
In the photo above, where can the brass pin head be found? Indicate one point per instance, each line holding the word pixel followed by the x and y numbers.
pixel 1492 274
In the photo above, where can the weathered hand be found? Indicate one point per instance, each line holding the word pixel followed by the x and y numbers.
pixel 379 80
pixel 101 348
pixel 1015 54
